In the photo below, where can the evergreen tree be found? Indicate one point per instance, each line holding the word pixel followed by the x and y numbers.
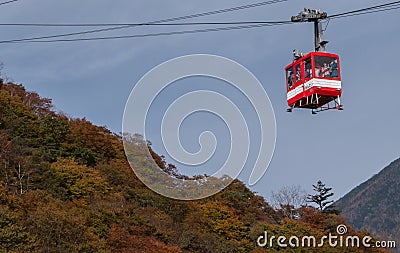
pixel 321 196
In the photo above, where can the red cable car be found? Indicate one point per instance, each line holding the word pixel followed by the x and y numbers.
pixel 313 80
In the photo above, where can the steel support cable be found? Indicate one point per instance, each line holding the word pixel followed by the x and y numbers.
pixel 152 22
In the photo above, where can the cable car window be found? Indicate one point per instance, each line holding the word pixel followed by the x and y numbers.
pixel 298 75
pixel 326 67
pixel 289 76
pixel 307 68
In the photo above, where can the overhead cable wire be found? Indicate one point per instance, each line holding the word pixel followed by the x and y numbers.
pixel 202 14
pixel 366 12
pixel 365 9
pixel 150 34
pixel 249 24
pixel 146 24
pixel 7 2
pixel 163 22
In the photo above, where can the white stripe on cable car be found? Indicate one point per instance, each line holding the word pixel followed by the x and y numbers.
pixel 296 91
pixel 325 83
pixel 320 83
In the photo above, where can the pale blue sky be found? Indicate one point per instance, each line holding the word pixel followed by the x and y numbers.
pixel 94 79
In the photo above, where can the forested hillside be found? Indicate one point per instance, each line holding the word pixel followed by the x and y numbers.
pixel 65 186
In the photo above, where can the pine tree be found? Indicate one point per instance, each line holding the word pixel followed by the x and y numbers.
pixel 320 198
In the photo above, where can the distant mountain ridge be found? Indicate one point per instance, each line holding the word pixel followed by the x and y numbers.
pixel 375 204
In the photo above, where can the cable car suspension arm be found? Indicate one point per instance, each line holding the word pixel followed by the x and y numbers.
pixel 313 15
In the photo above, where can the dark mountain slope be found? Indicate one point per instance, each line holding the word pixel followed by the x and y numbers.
pixel 375 204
